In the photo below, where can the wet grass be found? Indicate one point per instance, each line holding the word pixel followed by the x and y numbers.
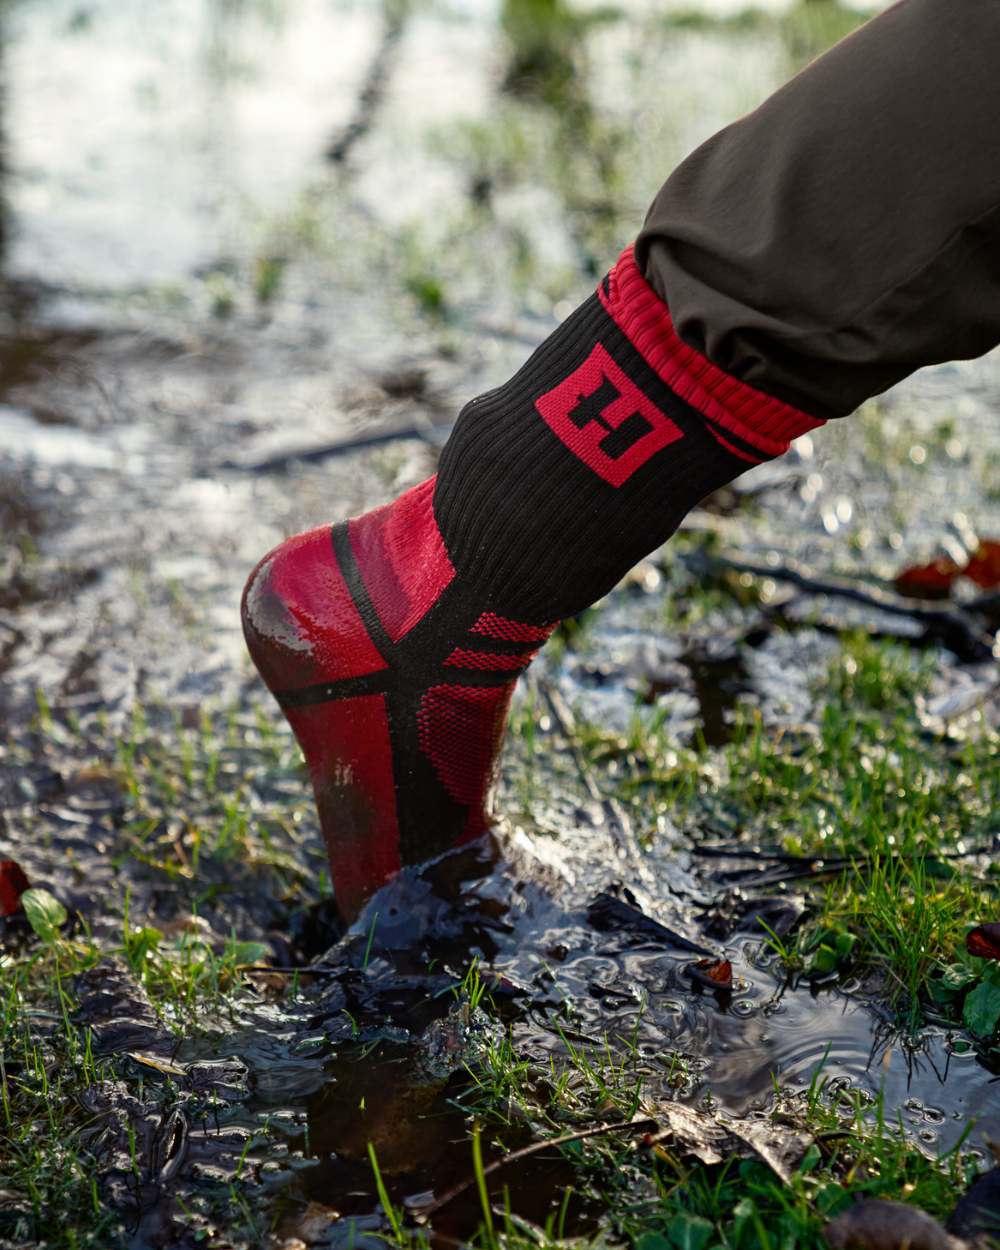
pixel 213 809
pixel 200 792
pixel 654 1195
pixel 46 1170
pixel 82 1135
pixel 207 849
pixel 907 813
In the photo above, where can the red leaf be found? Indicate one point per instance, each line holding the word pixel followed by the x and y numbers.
pixel 928 581
pixel 984 941
pixel 717 974
pixel 984 565
pixel 13 883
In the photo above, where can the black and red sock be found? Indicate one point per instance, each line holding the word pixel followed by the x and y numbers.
pixel 393 641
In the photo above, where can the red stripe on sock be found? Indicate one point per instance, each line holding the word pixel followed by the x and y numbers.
pixel 460 658
pixel 502 627
pixel 735 451
pixel 761 420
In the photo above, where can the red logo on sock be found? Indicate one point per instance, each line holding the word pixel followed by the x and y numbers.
pixel 605 420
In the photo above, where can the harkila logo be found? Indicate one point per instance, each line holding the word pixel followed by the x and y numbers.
pixel 605 420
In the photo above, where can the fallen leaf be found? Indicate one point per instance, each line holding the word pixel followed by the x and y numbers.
pixel 984 565
pixel 161 1065
pixel 13 883
pixel 984 941
pixel 928 581
pixel 691 1131
pixel 273 982
pixel 711 1139
pixel 981 1013
pixel 45 913
pixel 877 1224
pixel 717 974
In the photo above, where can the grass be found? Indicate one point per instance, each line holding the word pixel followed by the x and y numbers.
pixel 657 1198
pixel 206 815
pixel 46 1170
pixel 57 1111
pixel 192 792
pixel 868 784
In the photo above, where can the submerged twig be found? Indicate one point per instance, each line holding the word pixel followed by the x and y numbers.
pixel 778 876
pixel 609 912
pixel 644 1125
pixel 776 868
pixel 373 86
pixel 308 455
pixel 948 627
pixel 750 852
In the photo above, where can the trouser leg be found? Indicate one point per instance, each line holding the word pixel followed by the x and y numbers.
pixel 847 231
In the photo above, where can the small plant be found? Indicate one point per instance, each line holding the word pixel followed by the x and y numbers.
pixel 393 1216
pixel 473 987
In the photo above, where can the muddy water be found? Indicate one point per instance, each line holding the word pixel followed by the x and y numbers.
pixel 193 289
pixel 379 1048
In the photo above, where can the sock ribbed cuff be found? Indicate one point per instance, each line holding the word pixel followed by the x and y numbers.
pixel 761 420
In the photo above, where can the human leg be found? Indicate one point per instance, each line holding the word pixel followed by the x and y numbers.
pixel 393 641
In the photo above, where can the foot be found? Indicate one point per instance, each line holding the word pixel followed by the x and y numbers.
pixel 396 677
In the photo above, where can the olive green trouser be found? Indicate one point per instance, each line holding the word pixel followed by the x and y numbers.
pixel 848 230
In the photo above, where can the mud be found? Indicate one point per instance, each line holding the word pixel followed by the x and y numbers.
pixel 255 258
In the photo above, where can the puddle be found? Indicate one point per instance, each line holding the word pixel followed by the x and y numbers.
pixel 389 1094
pixel 379 1050
pixel 718 685
pixel 38 356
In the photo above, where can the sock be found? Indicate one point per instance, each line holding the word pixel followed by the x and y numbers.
pixel 393 641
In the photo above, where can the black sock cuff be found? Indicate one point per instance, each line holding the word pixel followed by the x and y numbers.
pixel 553 485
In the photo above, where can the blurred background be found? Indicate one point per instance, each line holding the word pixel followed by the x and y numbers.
pixel 239 235
pixel 202 153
